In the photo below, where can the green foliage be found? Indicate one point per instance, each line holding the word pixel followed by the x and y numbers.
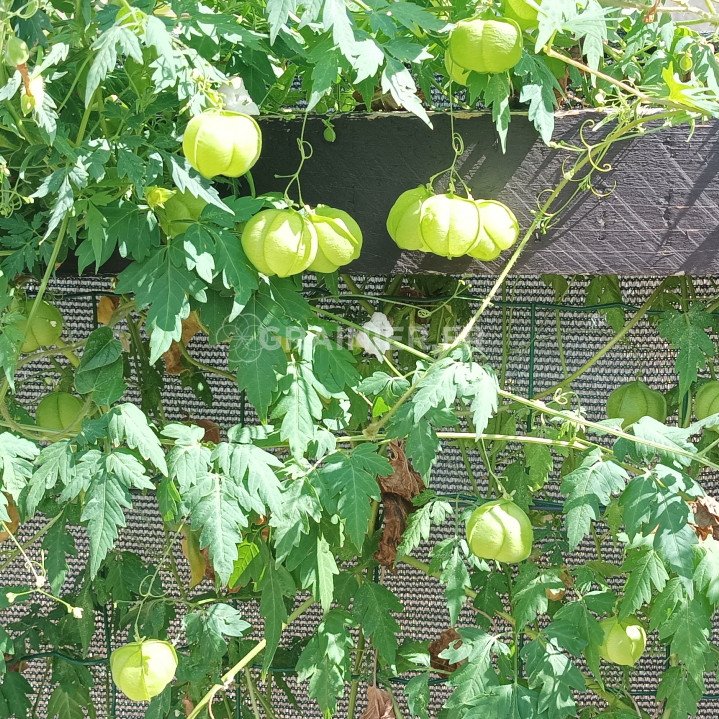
pixel 331 484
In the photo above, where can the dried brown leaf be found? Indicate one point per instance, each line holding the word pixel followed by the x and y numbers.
pixel 379 704
pixel 106 306
pixel 706 517
pixel 174 362
pixel 403 481
pixel 446 638
pixel 395 511
pixel 212 430
pixel 398 489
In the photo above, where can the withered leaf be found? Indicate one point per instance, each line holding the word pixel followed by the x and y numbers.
pixel 706 517
pixel 106 305
pixel 379 704
pixel 398 489
pixel 174 362
pixel 446 638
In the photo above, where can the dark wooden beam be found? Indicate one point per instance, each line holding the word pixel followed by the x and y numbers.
pixel 661 218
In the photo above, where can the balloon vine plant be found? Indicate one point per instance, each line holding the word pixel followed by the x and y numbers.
pixel 128 129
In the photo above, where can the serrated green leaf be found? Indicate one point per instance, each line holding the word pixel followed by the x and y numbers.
pixel 277 583
pixel 588 487
pixel 373 608
pixel 645 571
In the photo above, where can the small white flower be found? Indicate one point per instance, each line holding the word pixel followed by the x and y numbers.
pixel 236 98
pixel 77 612
pixel 11 597
pixel 40 581
pixel 370 343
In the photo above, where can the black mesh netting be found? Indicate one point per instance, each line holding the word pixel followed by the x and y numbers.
pixel 530 320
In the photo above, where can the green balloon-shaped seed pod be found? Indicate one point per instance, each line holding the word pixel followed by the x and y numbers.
pixel 488 46
pixel 16 51
pixel 500 530
pixel 624 641
pixel 141 670
pixel 339 238
pixel 633 400
pixel 403 221
pixel 524 12
pixel 706 401
pixel 450 225
pixel 178 212
pixel 499 230
pixel 280 242
pixel 44 330
pixel 59 411
pixel 219 142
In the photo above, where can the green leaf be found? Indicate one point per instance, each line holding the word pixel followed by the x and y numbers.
pixel 706 574
pixel 325 662
pixel 686 331
pixel 276 584
pixel 538 89
pixel 373 608
pixel 645 570
pixel 590 485
pixel 680 690
pixel 574 627
pixel 16 458
pixel 278 12
pixel 334 366
pixel 477 676
pixel 69 698
pixel 455 578
pixel 352 478
pixel 101 368
pixel 553 674
pixel 530 593
pixel 128 425
pixel 216 509
pixel 513 701
pixel 255 468
pixel 669 438
pixel 58 544
pixel 689 628
pixel 187 460
pixel 16 696
pixel 207 629
pixel 417 692
pixel 420 522
pixel 105 59
pixel 106 499
pixel 539 463
pixel 606 290
pixel 300 407
pixel 398 81
pixel 422 446
pixel 237 273
pixel 56 462
pixel 496 96
pixel 255 353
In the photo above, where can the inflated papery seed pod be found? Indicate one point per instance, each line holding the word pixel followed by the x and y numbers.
pixel 59 411
pixel 633 400
pixel 624 641
pixel 498 232
pixel 450 224
pixel 280 242
pixel 219 142
pixel 403 220
pixel 486 46
pixel 141 670
pixel 339 238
